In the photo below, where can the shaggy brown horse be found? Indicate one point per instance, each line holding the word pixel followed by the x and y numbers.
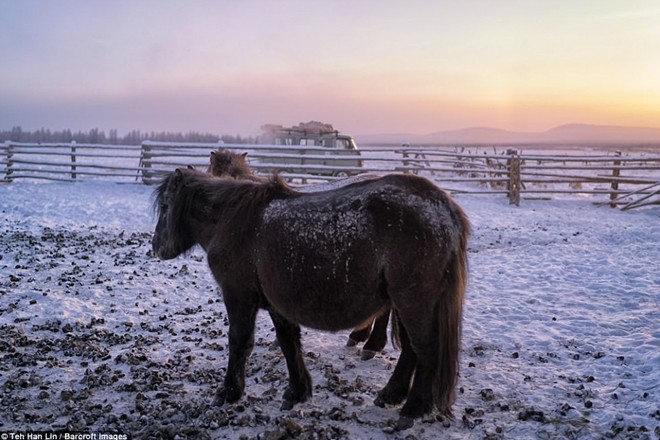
pixel 329 260
pixel 226 163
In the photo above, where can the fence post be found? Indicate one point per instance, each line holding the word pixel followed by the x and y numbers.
pixel 73 160
pixel 513 185
pixel 145 161
pixel 422 163
pixel 404 153
pixel 303 162
pixel 616 172
pixel 10 163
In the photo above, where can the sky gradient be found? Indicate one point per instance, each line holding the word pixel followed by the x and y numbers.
pixel 365 66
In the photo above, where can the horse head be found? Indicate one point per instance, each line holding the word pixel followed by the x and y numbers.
pixel 224 163
pixel 172 236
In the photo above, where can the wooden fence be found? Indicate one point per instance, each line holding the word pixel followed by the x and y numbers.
pixel 622 179
pixel 617 179
pixel 301 163
pixel 69 161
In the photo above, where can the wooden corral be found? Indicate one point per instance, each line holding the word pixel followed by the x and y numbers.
pixel 69 161
pixel 609 177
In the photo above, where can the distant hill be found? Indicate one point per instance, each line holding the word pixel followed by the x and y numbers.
pixel 564 134
pixel 580 133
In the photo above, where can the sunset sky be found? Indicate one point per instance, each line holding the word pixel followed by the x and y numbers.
pixel 365 66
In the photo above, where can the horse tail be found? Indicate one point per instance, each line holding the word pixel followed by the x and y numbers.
pixel 448 318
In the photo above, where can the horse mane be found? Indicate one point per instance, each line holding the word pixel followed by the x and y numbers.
pixel 220 200
pixel 243 198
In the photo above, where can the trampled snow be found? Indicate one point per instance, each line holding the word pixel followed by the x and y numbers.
pixel 560 336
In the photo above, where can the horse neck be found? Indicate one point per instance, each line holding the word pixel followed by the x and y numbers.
pixel 229 209
pixel 203 232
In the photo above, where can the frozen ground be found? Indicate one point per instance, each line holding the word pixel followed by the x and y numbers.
pixel 561 336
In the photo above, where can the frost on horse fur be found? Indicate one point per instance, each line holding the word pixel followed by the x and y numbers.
pixel 330 260
pixel 226 163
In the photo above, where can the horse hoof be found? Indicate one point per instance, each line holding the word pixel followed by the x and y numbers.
pixel 368 354
pixel 219 399
pixel 227 395
pixel 404 423
pixel 287 405
pixel 415 408
pixel 389 398
pixel 351 342
pixel 383 402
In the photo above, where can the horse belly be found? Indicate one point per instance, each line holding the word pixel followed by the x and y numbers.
pixel 314 312
pixel 317 263
pixel 322 298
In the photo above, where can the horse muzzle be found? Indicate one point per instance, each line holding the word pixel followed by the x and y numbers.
pixel 157 249
pixel 164 253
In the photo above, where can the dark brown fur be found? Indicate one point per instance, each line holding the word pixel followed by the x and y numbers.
pixel 330 260
pixel 226 163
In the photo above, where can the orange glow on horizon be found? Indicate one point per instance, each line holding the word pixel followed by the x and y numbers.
pixel 415 67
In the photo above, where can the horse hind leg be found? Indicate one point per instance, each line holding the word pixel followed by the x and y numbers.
pixel 435 337
pixel 419 401
pixel 397 387
pixel 438 345
pixel 300 382
pixel 378 338
pixel 359 335
pixel 414 327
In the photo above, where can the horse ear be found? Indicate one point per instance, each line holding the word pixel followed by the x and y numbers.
pixel 213 153
pixel 244 155
pixel 176 179
pixel 190 167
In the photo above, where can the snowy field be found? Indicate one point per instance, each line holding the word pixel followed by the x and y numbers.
pixel 561 333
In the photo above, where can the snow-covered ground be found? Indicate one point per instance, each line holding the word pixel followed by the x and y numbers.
pixel 561 333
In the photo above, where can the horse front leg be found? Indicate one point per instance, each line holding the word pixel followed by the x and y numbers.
pixel 242 317
pixel 300 382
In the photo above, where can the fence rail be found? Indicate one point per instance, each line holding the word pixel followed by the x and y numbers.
pixel 623 179
pixel 68 161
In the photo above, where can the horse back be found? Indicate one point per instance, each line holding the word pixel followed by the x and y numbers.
pixel 378 210
pixel 336 250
